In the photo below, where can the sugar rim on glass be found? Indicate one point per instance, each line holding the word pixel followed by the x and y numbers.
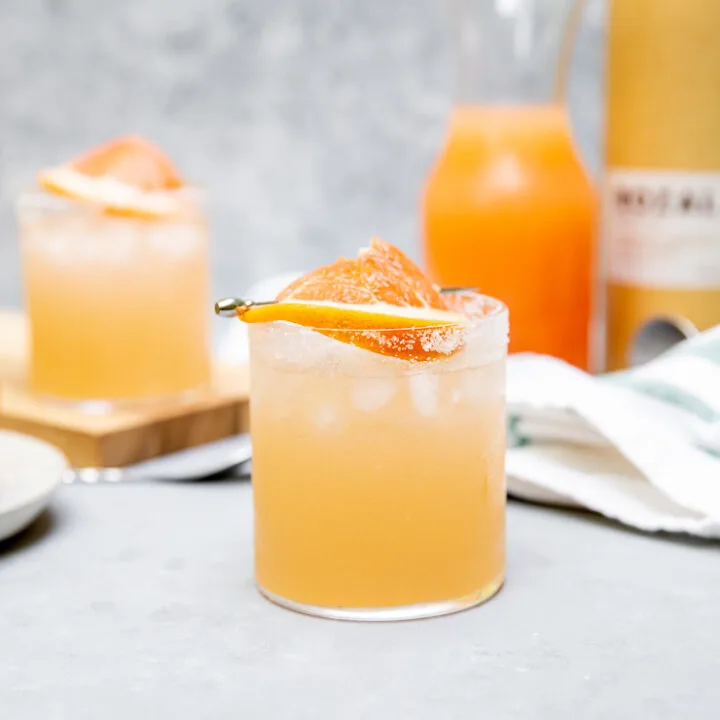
pixel 484 340
pixel 492 310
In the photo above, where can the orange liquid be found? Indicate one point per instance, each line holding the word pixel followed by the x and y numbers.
pixel 99 294
pixel 376 485
pixel 509 209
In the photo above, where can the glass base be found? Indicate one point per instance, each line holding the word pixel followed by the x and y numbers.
pixel 390 614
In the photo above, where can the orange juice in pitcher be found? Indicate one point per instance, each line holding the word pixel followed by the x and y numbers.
pixel 508 207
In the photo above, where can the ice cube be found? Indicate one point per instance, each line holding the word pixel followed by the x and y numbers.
pixel 425 393
pixel 176 240
pixel 470 388
pixel 85 242
pixel 479 385
pixel 325 417
pixel 372 394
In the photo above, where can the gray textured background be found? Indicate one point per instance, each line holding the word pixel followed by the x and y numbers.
pixel 312 122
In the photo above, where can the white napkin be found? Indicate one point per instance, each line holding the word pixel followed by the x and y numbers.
pixel 641 447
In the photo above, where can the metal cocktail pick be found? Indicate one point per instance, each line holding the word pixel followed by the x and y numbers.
pixel 232 307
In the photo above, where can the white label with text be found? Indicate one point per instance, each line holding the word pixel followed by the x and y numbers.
pixel 662 229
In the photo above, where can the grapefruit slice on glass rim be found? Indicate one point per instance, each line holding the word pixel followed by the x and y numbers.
pixel 127 176
pixel 380 301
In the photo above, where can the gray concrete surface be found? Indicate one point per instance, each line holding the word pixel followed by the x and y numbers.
pixel 312 122
pixel 137 602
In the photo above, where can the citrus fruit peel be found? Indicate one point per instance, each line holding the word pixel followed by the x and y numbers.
pixel 128 176
pixel 328 315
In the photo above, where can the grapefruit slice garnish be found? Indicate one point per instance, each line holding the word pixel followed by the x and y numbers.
pixel 380 274
pixel 381 301
pixel 127 176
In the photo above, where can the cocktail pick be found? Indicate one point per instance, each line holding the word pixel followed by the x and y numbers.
pixel 232 307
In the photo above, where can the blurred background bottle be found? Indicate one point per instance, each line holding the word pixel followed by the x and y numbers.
pixel 662 189
pixel 508 206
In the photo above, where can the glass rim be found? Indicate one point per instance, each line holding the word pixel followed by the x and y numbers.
pixel 498 310
pixel 37 198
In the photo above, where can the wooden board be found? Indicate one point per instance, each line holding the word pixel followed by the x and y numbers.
pixel 123 437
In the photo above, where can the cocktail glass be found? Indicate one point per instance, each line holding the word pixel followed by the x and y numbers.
pixel 91 282
pixel 379 482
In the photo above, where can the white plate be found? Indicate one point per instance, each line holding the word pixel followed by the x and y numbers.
pixel 30 471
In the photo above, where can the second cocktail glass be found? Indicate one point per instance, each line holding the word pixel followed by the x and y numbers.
pixel 94 276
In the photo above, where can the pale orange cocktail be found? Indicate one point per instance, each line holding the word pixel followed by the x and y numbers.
pixel 99 251
pixel 378 471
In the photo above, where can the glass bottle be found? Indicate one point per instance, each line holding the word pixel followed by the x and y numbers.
pixel 661 194
pixel 508 206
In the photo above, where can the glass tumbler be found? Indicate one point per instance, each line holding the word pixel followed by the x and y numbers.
pixel 93 282
pixel 379 483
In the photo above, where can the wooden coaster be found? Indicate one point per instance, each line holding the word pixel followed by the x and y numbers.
pixel 124 436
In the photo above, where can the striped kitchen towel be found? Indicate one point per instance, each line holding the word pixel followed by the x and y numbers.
pixel 641 446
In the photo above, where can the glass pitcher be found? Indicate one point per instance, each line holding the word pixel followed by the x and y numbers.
pixel 508 206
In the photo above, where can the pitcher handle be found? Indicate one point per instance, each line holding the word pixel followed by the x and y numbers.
pixel 572 27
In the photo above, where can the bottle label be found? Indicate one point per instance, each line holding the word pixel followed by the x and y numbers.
pixel 662 229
